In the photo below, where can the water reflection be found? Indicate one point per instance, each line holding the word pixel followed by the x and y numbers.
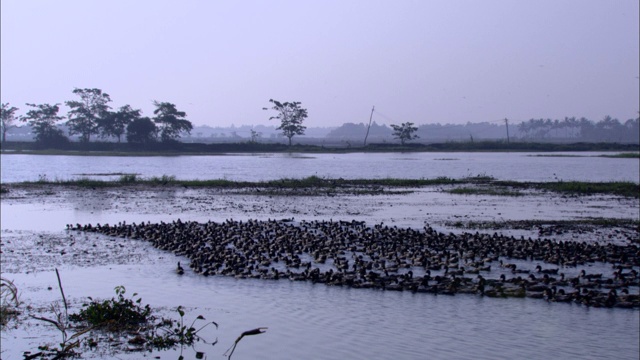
pixel 321 322
pixel 261 167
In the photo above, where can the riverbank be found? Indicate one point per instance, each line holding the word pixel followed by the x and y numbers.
pixel 179 148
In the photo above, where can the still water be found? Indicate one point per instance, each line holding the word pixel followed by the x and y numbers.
pixel 307 321
pixel 581 166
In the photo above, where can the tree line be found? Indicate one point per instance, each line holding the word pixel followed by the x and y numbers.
pixel 545 130
pixel 91 115
pixel 607 130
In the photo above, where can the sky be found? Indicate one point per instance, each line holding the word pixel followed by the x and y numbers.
pixel 437 61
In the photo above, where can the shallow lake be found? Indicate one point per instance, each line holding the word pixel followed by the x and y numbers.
pixel 579 166
pixel 306 320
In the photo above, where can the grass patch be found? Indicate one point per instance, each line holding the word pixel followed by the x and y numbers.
pixel 320 185
pixel 163 180
pixel 128 178
pixel 623 156
pixel 484 191
pixel 557 155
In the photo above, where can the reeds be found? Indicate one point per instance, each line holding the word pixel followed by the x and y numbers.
pixel 360 186
pixel 9 301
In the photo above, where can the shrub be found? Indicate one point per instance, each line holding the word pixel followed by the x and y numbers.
pixel 114 314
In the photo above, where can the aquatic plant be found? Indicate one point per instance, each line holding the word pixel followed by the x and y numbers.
pixel 314 185
pixel 176 332
pixel 119 317
pixel 256 331
pixel 61 322
pixel 484 191
pixel 128 178
pixel 9 301
pixel 115 314
pixel 163 180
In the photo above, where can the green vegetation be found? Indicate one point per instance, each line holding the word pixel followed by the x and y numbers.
pixel 620 188
pixel 314 185
pixel 128 178
pixel 122 322
pixel 484 191
pixel 114 314
pixel 615 156
pixel 623 156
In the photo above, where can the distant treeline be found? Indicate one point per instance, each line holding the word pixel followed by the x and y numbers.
pixel 568 130
pixel 539 130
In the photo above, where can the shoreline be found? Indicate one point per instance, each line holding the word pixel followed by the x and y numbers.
pixel 35 241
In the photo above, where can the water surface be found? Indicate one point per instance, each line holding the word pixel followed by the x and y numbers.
pixel 579 166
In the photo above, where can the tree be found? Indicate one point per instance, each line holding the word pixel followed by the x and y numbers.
pixel 255 136
pixel 141 131
pixel 114 123
pixel 170 121
pixel 404 132
pixel 85 114
pixel 8 115
pixel 291 116
pixel 43 121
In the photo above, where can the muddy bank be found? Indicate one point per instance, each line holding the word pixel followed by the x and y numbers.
pixel 534 214
pixel 34 218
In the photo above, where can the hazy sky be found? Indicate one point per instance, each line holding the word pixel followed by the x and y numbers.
pixel 420 61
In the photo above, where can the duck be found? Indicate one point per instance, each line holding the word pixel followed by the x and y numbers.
pixel 584 274
pixel 546 271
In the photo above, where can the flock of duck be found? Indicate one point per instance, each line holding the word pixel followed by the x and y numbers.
pixel 343 253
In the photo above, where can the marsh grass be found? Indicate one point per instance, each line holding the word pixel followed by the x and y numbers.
pixel 162 180
pixel 629 155
pixel 9 302
pixel 484 191
pixel 128 178
pixel 357 186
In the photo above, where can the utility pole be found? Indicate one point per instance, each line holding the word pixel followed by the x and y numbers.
pixel 369 127
pixel 506 121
